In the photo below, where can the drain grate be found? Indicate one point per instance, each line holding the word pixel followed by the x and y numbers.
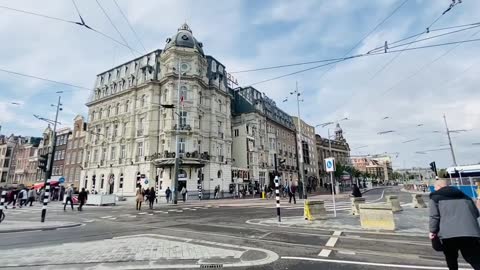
pixel 211 266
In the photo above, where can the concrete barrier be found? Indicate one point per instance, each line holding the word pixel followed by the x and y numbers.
pixel 393 201
pixel 315 210
pixel 356 205
pixel 377 216
pixel 418 202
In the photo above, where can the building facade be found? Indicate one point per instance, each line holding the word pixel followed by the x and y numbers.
pixel 377 166
pixel 337 148
pixel 271 133
pixel 74 153
pixel 7 146
pixel 25 157
pixel 308 149
pixel 249 149
pixel 58 169
pixel 131 136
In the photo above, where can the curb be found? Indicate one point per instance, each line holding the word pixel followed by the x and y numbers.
pixel 368 190
pixel 257 222
pixel 51 228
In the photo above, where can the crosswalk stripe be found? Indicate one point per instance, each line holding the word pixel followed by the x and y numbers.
pixel 107 217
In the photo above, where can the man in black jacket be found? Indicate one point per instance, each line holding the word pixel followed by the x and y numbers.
pixel 454 219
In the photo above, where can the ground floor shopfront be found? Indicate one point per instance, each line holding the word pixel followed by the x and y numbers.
pixel 159 174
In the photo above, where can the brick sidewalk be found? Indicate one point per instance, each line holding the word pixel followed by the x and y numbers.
pixel 138 251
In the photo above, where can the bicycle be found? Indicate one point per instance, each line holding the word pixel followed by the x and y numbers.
pixel 2 217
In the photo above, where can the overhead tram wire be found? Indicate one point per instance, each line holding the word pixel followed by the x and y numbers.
pixel 365 54
pixel 45 79
pixel 130 25
pixel 373 51
pixel 396 56
pixel 82 23
pixel 364 37
pixel 418 71
pixel 115 27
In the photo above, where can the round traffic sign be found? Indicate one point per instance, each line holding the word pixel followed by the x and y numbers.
pixel 329 164
pixel 61 180
pixel 146 181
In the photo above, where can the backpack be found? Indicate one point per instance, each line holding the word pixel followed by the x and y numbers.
pixel 20 194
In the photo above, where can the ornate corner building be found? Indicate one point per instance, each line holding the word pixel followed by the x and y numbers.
pixel 131 133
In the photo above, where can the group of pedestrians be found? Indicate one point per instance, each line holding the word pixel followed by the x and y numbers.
pixel 20 197
pixel 144 195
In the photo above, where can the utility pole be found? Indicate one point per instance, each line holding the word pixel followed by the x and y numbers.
pixel 450 141
pixel 48 172
pixel 177 127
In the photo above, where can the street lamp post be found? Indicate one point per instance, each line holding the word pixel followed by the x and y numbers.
pixel 300 149
pixel 48 173
pixel 177 126
pixel 450 141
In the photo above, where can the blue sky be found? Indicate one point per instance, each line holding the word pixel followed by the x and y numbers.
pixel 251 34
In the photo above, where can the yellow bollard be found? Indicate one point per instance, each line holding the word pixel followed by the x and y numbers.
pixel 263 195
pixel 306 211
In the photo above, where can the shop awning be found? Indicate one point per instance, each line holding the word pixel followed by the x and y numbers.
pixel 40 185
pixel 184 162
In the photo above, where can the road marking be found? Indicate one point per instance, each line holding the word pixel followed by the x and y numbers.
pixel 325 253
pixel 106 217
pixel 262 236
pixel 150 214
pixel 89 220
pixel 330 243
pixel 381 197
pixel 369 263
pixel 142 213
pixel 346 252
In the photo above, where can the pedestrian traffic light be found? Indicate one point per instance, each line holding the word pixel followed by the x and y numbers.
pixel 42 162
pixel 433 167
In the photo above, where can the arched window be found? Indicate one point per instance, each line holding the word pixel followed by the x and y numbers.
pixel 127 104
pixel 143 101
pixel 183 92
pixel 100 114
pixel 219 174
pixel 108 111
pixel 102 181
pixel 93 116
pixel 117 108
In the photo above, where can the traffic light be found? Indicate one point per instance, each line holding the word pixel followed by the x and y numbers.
pixel 433 167
pixel 42 162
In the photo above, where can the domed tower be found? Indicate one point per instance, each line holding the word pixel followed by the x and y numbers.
pixel 339 133
pixel 184 38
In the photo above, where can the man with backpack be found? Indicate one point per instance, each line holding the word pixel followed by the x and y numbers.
pixel 454 223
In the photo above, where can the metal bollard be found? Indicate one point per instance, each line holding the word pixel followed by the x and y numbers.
pixel 277 197
pixel 2 202
pixel 46 198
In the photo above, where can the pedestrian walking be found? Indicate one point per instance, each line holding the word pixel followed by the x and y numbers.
pixel 184 193
pixel 356 191
pixel 453 222
pixel 22 196
pixel 31 196
pixel 151 197
pixel 168 193
pixel 291 193
pixel 68 197
pixel 146 194
pixel 139 198
pixel 82 198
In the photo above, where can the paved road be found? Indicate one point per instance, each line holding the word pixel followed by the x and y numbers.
pixel 297 248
